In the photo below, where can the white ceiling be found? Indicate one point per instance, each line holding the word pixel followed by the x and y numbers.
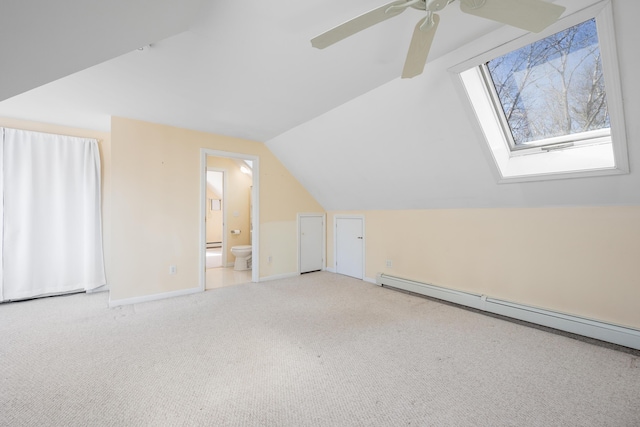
pixel 41 41
pixel 340 119
pixel 243 68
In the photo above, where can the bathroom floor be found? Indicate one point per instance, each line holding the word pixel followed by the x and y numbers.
pixel 221 277
pixel 218 276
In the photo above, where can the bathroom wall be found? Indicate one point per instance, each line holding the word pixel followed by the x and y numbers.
pixel 575 260
pixel 214 218
pixel 237 202
pixel 156 207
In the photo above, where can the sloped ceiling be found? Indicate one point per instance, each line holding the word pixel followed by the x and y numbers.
pixel 42 41
pixel 243 68
pixel 340 119
pixel 411 145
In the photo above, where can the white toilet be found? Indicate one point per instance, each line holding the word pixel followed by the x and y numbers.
pixel 243 257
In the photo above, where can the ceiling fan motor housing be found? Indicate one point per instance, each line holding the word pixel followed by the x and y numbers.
pixel 529 15
pixel 433 5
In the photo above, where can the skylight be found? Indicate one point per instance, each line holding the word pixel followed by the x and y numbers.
pixel 551 88
pixel 544 107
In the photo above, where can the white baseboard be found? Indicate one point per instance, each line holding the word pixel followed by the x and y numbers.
pixel 278 276
pixel 154 297
pixel 627 337
pixel 366 279
pixel 370 280
pixel 103 288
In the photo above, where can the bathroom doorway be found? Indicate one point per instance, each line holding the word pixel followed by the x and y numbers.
pixel 230 212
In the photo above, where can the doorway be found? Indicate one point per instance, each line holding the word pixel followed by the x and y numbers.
pixel 349 245
pixel 229 191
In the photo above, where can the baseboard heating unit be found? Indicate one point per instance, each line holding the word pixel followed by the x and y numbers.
pixel 577 325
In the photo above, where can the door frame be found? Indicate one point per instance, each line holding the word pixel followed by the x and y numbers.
pixel 255 214
pixel 335 240
pixel 224 213
pixel 324 238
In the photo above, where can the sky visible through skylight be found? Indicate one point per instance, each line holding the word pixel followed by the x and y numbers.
pixel 552 87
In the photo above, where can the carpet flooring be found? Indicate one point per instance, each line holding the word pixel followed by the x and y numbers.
pixel 315 350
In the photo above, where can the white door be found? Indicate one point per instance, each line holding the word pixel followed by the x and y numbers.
pixel 311 238
pixel 350 246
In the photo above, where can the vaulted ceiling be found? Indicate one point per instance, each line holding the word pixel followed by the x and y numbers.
pixel 239 68
pixel 247 69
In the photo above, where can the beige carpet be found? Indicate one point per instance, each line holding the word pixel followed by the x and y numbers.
pixel 315 350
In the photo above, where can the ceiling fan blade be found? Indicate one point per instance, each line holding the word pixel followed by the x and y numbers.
pixel 358 24
pixel 530 15
pixel 419 48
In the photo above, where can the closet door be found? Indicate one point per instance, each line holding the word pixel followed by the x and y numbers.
pixel 311 238
pixel 349 253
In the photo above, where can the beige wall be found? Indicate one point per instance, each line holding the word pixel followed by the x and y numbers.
pixel 237 201
pixel 104 144
pixel 581 261
pixel 156 202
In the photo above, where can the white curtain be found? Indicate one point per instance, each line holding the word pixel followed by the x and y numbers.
pixel 51 218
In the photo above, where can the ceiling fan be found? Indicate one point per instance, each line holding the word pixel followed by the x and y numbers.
pixel 530 15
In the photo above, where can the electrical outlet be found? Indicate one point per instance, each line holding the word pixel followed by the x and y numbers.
pixel 173 269
pixel 389 263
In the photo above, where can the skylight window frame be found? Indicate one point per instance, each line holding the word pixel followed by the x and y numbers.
pixel 560 146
